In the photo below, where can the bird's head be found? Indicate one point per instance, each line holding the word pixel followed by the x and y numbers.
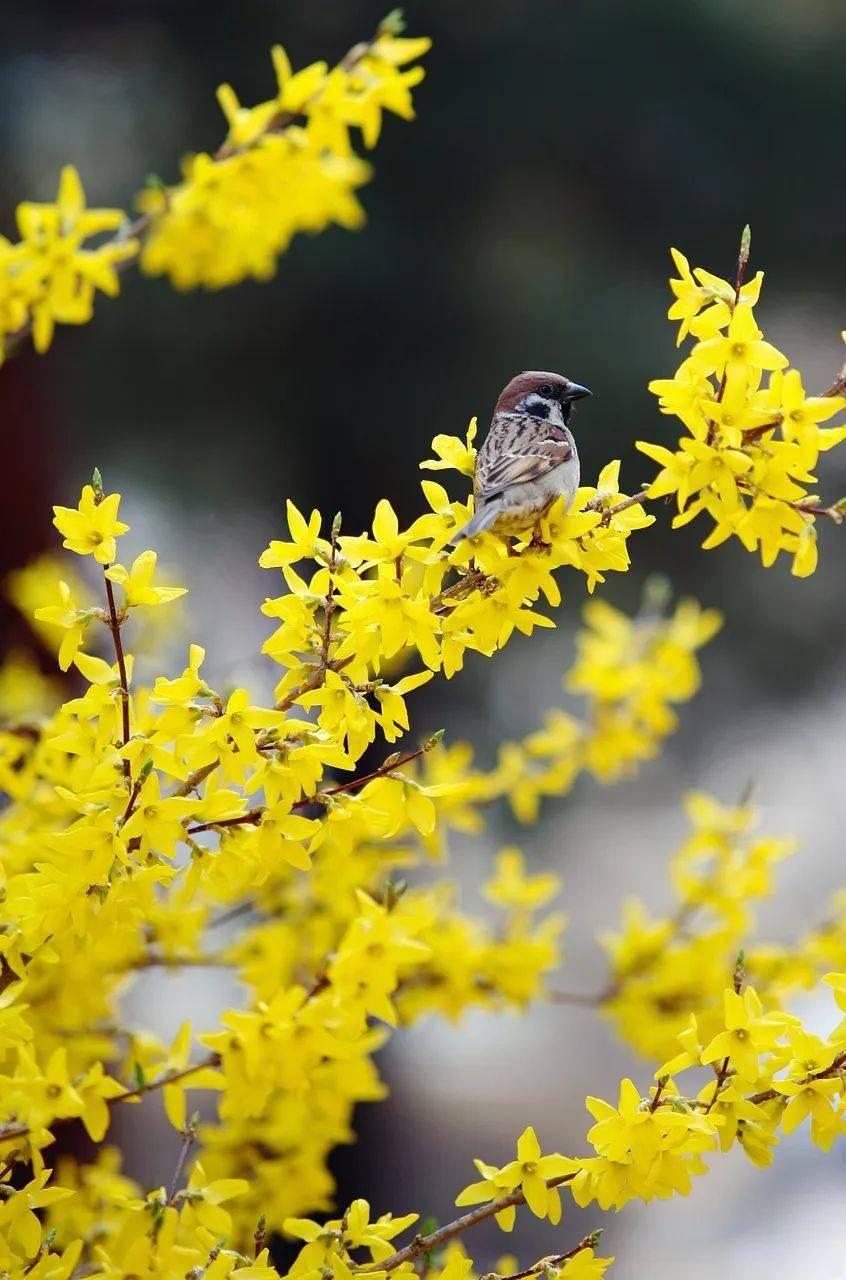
pixel 541 395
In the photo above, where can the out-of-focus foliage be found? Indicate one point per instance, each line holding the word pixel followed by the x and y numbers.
pixel 286 166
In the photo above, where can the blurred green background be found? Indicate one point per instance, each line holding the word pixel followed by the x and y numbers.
pixel 522 221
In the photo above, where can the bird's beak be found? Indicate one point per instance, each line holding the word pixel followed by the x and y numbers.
pixel 575 392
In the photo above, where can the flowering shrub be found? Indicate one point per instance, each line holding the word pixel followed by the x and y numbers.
pixel 143 819
pixel 753 436
pixel 286 166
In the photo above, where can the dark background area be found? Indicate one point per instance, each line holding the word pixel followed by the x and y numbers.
pixel 522 221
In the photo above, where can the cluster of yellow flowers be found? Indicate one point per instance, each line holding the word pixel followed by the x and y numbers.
pixel 225 221
pixel 144 818
pixel 632 671
pixel 753 436
pixel 132 833
pixel 286 166
pixel 769 1074
pixel 51 274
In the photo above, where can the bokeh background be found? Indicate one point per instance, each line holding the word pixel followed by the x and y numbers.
pixel 522 221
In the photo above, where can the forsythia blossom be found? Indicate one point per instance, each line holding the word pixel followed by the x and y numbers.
pixel 139 817
pixel 752 436
pixel 286 166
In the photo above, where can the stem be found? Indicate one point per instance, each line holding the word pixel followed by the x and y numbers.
pixel 583 998
pixel 596 505
pixel 170 1077
pixel 315 679
pixel 553 1260
pixel 188 962
pixel 188 1138
pixel 254 815
pixel 329 606
pixel 114 627
pixel 232 913
pixel 132 801
pixel 656 1097
pixel 425 1244
pixel 742 259
pixel 722 1075
pixel 468 582
pixel 768 1095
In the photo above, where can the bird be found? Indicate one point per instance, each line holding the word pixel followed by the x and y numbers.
pixel 529 457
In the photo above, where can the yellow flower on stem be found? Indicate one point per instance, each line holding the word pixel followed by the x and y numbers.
pixel 91 528
pixel 748 1033
pixel 137 582
pixel 742 347
pixel 72 621
pixel 530 1173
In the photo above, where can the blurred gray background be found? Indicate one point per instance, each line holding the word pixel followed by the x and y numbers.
pixel 522 221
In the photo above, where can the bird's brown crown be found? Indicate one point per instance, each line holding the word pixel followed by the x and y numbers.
pixel 523 385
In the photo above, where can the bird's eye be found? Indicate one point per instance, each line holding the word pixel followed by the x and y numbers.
pixel 545 389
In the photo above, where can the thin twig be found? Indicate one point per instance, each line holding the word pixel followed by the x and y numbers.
pixel 169 1077
pixel 425 1244
pixel 188 1138
pixel 114 627
pixel 232 913
pixel 550 1262
pixel 254 815
pixel 596 505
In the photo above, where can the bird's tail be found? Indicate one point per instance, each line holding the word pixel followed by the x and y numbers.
pixel 484 518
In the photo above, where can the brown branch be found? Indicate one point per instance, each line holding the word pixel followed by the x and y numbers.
pixel 722 1076
pixel 656 1097
pixel 153 961
pixel 114 627
pixel 314 680
pixel 231 913
pixel 583 998
pixel 742 259
pixel 169 1077
pixel 810 507
pixel 595 504
pixel 550 1262
pixel 470 581
pixel 132 801
pixel 755 433
pixel 768 1095
pixel 254 815
pixel 330 604
pixel 188 1138
pixel 425 1244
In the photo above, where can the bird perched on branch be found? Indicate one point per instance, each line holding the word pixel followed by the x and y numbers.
pixel 529 457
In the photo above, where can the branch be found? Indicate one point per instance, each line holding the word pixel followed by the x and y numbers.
pixel 742 259
pixel 836 1068
pixel 189 1136
pixel 596 505
pixel 425 1244
pixel 386 767
pixel 114 626
pixel 552 1260
pixel 169 1077
pixel 315 679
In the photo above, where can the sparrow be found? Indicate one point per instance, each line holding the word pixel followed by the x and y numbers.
pixel 529 457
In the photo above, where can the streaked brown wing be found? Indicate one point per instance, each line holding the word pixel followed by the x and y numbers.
pixel 521 466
